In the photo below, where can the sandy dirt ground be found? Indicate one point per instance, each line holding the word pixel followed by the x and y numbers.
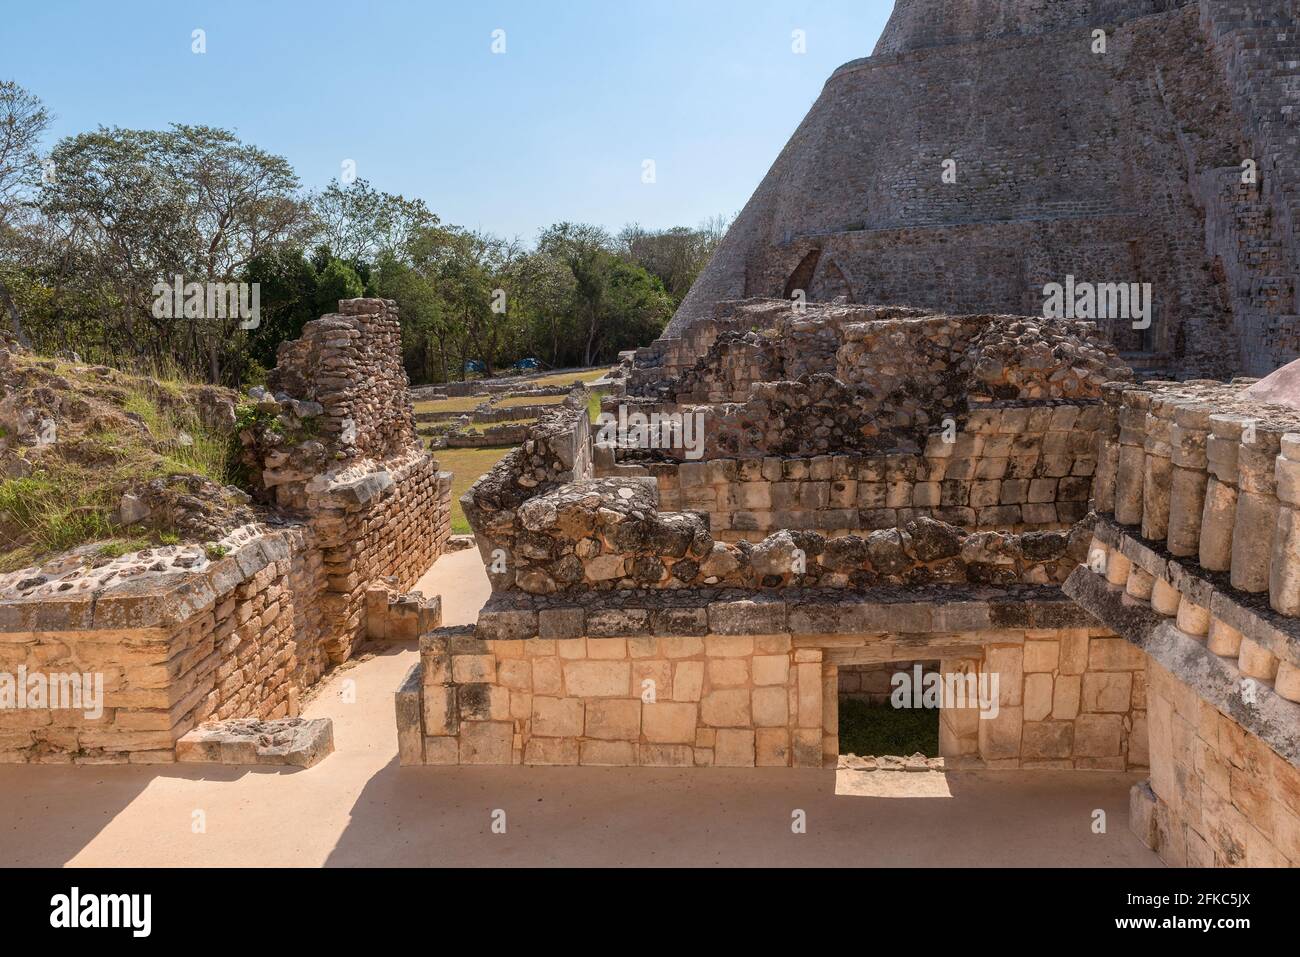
pixel 358 807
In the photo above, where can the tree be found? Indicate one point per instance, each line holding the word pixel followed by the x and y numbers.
pixel 289 295
pixel 23 120
pixel 585 250
pixel 131 208
pixel 676 256
pixel 359 223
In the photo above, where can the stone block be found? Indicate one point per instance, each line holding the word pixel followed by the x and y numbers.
pixel 614 719
pixel 557 717
pixel 669 723
pixel 730 708
pixel 597 679
pixel 486 742
pixel 734 749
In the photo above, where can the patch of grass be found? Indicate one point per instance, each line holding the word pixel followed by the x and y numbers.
pixel 42 515
pixel 466 466
pixel 122 546
pixel 75 486
pixel 530 400
pixel 460 403
pixel 593 408
pixel 567 378
pixel 867 729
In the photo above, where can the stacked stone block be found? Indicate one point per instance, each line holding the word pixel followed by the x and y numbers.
pixel 220 642
pixel 745 682
pixel 1218 796
pixel 1246 525
pixel 724 700
pixel 242 635
pixel 1015 468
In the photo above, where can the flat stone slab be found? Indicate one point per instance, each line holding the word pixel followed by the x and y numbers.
pixel 293 742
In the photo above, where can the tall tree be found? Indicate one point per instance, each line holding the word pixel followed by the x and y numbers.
pixel 136 207
pixel 359 223
pixel 23 120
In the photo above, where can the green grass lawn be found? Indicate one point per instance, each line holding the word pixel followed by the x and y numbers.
pixel 463 403
pixel 466 465
pixel 567 378
pixel 882 729
pixel 530 400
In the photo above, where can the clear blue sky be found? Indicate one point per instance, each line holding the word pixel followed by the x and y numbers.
pixel 556 128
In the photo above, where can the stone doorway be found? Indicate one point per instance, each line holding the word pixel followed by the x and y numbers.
pixel 870 721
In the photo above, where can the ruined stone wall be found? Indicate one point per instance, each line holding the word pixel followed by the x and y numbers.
pixel 606 534
pixel 1218 796
pixel 1070 698
pixel 1009 468
pixel 743 682
pixel 351 364
pixel 1193 561
pixel 335 442
pixel 227 639
pixel 188 634
pixel 869 379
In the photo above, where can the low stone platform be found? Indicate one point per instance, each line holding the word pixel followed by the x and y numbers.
pixel 295 742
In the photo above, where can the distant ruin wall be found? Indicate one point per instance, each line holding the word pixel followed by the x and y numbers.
pixel 1016 468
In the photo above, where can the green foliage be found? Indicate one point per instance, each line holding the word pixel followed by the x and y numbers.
pixel 72 497
pixel 81 257
pixel 122 546
pixel 336 281
pixel 867 729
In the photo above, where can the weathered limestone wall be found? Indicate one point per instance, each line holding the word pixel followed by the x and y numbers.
pixel 1013 468
pixel 232 638
pixel 1203 481
pixel 1070 698
pixel 336 443
pixel 1218 796
pixel 729 700
pixel 187 634
pixel 869 379
pixel 1192 561
pixel 607 534
pixel 743 683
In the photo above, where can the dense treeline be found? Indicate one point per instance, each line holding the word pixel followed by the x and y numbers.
pixel 89 230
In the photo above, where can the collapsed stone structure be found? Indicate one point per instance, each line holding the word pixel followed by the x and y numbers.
pixel 184 635
pixel 871 503
pixel 1171 158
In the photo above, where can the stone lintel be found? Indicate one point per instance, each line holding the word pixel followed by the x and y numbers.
pixel 817 616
